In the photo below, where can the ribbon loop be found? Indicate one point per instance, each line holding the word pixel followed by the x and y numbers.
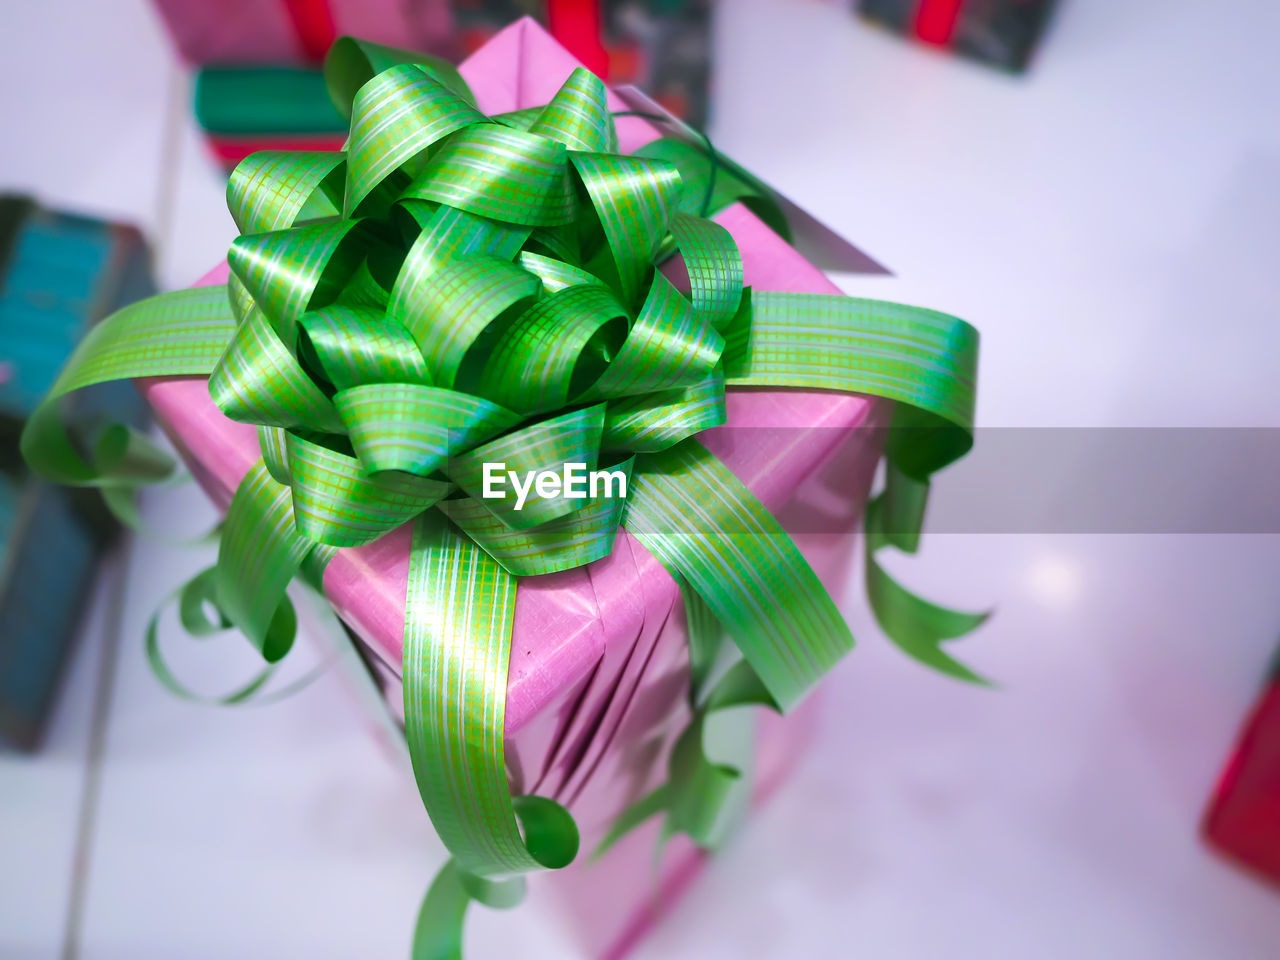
pixel 352 62
pixel 283 271
pixel 445 233
pixel 633 200
pixel 260 552
pixel 925 360
pixel 647 424
pixel 578 115
pixel 668 346
pixel 449 311
pixel 416 428
pixel 581 537
pixel 397 116
pixel 271 189
pixel 335 503
pixel 456 648
pixel 556 350
pixel 356 345
pixel 257 380
pixel 714 266
pixel 543 446
pixel 506 175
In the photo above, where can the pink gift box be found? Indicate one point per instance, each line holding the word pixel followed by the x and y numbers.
pixel 599 667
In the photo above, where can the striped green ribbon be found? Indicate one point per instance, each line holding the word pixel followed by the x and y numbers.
pixel 454 290
pixel 702 797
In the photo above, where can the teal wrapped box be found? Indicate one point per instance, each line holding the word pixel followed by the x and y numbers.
pixel 58 274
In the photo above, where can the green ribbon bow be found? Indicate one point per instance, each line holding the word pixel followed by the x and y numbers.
pixel 455 289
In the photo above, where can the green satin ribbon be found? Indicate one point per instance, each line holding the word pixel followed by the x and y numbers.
pixel 454 289
pixel 195 600
pixel 701 795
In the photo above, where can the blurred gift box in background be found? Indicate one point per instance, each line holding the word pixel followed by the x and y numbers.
pixel 59 274
pixel 1003 33
pixel 1243 820
pixel 247 109
pixel 662 46
pixel 258 86
pixel 300 31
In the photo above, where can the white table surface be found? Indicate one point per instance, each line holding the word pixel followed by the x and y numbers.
pixel 1110 222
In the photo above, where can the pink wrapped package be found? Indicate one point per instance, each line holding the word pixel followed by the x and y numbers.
pixel 288 31
pixel 599 665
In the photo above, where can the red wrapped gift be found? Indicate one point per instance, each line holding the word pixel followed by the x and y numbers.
pixel 1243 819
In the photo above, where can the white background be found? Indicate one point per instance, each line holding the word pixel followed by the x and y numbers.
pixel 1112 225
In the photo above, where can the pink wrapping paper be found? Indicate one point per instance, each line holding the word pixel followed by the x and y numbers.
pixel 267 31
pixel 598 673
